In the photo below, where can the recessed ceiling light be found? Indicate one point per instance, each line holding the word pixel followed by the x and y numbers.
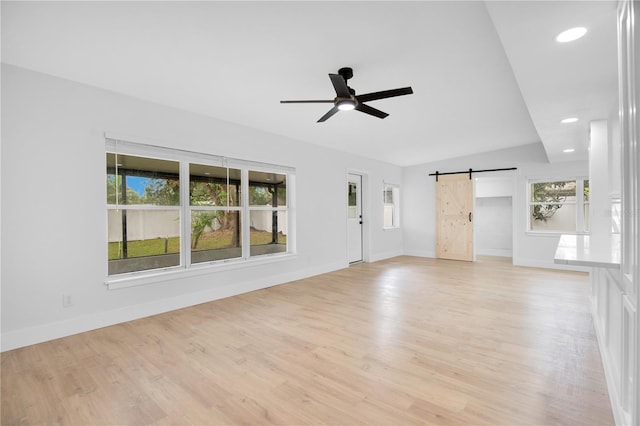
pixel 569 120
pixel 571 34
pixel 568 150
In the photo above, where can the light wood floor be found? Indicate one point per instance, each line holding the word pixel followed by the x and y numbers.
pixel 402 341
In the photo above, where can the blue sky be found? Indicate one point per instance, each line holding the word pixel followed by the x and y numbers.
pixel 137 183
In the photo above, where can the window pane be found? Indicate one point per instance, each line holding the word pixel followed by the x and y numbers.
pixel 553 217
pixel 208 186
pixel 215 235
pixel 616 216
pixel 585 190
pixel 547 192
pixel 142 180
pixel 586 217
pixel 268 231
pixel 388 195
pixel 267 189
pixel 388 216
pixel 150 240
pixel 352 200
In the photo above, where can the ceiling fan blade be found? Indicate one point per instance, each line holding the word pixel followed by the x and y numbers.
pixel 340 84
pixel 308 102
pixel 328 114
pixel 384 94
pixel 371 111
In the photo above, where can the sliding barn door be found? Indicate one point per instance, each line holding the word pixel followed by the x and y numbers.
pixel 454 216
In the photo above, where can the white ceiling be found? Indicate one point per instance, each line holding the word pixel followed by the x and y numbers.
pixel 485 75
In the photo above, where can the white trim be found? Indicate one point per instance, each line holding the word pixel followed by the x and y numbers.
pixel 395 191
pixel 133 279
pixel 420 253
pixel 496 252
pixel 365 211
pixel 185 222
pixel 579 203
pixel 386 255
pixel 141 207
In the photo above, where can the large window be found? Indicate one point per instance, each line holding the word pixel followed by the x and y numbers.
pixel 171 209
pixel 559 206
pixel 391 213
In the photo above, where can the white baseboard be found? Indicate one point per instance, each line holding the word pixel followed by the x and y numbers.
pixel 420 253
pixel 385 255
pixel 495 252
pixel 42 333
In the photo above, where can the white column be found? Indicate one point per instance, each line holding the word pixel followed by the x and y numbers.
pixel 599 205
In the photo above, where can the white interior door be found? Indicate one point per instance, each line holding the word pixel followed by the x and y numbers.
pixel 354 217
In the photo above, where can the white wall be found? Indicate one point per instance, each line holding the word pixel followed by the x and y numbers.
pixel 493 213
pixel 53 172
pixel 493 226
pixel 419 200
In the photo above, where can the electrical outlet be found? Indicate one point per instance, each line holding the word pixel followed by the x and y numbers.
pixel 67 301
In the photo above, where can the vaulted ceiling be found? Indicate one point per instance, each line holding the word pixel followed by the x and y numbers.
pixel 486 75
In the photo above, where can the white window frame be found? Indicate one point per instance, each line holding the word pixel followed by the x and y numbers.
pixel 395 205
pixel 185 158
pixel 579 203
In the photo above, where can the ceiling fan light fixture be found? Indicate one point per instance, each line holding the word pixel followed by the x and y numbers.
pixel 346 105
pixel 571 34
pixel 346 98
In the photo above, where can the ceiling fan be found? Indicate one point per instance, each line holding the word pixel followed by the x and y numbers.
pixel 346 98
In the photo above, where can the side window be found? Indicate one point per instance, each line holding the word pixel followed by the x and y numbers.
pixel 559 206
pixel 391 213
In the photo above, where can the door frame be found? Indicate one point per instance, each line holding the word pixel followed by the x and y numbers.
pixel 365 206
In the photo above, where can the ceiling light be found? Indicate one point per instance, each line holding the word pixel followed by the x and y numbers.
pixel 346 105
pixel 568 150
pixel 571 34
pixel 569 120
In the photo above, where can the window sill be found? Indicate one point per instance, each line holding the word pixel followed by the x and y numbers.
pixel 156 276
pixel 553 233
pixel 394 228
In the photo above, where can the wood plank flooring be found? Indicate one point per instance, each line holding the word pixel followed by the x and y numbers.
pixel 402 341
